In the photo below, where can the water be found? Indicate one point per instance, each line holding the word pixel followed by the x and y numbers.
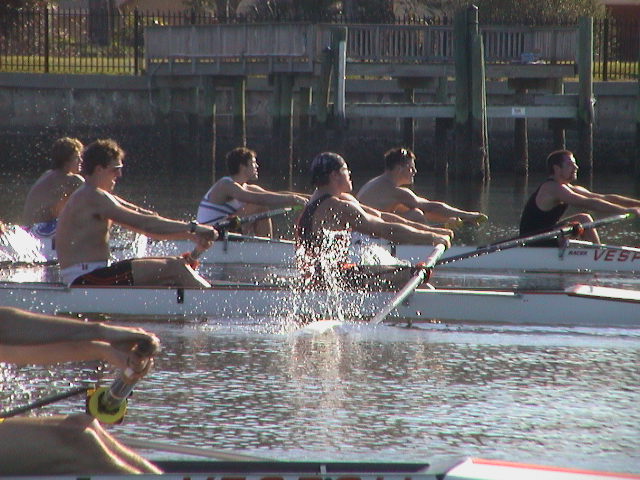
pixel 567 397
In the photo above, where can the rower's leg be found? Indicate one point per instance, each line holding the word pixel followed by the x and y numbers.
pixel 60 445
pixel 261 228
pixel 170 271
pixel 415 215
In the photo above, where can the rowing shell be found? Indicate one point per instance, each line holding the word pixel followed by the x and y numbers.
pixel 572 259
pixel 582 258
pixel 579 305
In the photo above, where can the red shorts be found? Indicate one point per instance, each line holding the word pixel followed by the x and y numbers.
pixel 119 274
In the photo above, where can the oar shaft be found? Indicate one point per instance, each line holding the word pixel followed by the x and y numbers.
pixel 410 286
pixel 41 402
pixel 519 242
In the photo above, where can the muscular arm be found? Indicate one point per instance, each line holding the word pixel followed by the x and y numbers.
pixel 613 198
pixel 437 211
pixel 258 195
pixel 354 216
pixel 580 197
pixel 154 225
pixel 133 206
pixel 392 217
pixel 32 338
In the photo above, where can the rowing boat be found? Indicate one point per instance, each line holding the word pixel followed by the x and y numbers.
pixel 440 468
pixel 582 305
pixel 579 258
pixel 575 257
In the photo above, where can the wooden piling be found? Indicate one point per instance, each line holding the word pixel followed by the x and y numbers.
pixel 521 138
pixel 209 100
pixel 480 168
pixel 472 156
pixel 441 147
pixel 239 112
pixel 282 125
pixel 636 166
pixel 585 98
pixel 463 101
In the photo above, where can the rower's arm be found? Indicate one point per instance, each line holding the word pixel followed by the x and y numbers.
pixel 21 327
pixel 133 206
pixel 580 197
pixel 52 353
pixel 614 198
pixel 154 226
pixel 434 211
pixel 363 222
pixel 250 194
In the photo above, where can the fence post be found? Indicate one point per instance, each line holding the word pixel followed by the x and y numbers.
pixel 136 42
pixel 46 40
pixel 605 50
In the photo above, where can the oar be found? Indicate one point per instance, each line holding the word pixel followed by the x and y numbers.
pixel 41 402
pixel 571 229
pixel 253 238
pixel 235 222
pixel 411 285
pixel 109 404
pixel 599 246
pixel 200 452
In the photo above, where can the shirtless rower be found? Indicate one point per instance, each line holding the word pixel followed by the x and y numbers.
pixel 545 207
pixel 333 209
pixel 82 239
pixel 237 195
pixel 51 191
pixel 69 444
pixel 389 193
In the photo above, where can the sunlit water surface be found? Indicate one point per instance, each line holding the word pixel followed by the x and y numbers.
pixel 566 397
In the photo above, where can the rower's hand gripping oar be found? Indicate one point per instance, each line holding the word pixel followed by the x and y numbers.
pixel 418 278
pixel 109 404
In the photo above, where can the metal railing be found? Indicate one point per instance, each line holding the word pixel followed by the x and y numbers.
pixel 76 41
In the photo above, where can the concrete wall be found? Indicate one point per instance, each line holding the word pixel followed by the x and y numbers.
pixel 35 109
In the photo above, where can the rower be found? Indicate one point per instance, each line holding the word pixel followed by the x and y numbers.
pixel 389 193
pixel 326 226
pixel 548 203
pixel 50 192
pixel 82 239
pixel 238 195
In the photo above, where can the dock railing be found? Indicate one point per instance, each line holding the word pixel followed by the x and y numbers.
pixel 52 40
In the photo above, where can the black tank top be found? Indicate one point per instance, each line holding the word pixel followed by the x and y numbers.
pixel 534 220
pixel 304 229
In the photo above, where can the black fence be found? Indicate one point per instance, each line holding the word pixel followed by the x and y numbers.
pixel 111 42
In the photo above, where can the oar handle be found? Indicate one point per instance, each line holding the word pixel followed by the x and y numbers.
pixel 109 404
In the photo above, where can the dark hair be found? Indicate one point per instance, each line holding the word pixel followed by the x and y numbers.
pixel 556 158
pixel 397 156
pixel 322 165
pixel 63 149
pixel 102 153
pixel 238 156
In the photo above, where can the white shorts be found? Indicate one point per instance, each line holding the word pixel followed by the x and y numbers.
pixel 69 274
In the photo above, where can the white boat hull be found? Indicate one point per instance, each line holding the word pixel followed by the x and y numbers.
pixel 579 305
pixel 282 253
pixel 573 259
